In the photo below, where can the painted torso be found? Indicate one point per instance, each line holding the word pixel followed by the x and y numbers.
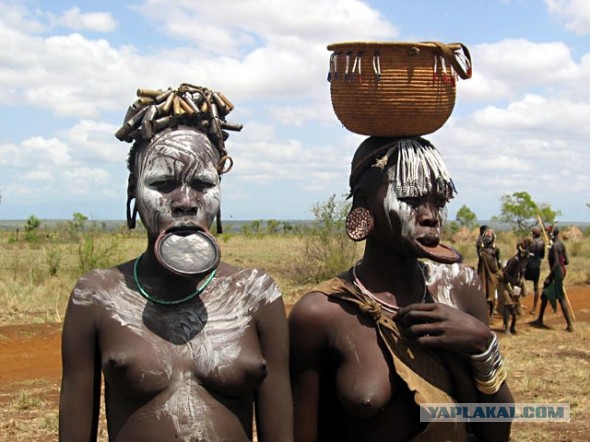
pixel 182 364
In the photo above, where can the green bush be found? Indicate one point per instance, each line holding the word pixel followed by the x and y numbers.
pixel 327 250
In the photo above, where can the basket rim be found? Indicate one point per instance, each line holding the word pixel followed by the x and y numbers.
pixel 345 44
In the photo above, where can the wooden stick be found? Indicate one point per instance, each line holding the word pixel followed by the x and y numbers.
pixel 567 299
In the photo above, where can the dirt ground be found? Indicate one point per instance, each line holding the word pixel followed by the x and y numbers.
pixel 30 370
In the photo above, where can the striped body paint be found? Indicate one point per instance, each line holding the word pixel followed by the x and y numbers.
pixel 181 355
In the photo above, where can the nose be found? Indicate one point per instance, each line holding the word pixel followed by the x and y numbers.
pixel 185 202
pixel 428 215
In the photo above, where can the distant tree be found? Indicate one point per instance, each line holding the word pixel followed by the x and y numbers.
pixel 253 228
pixel 273 226
pixel 548 215
pixel 77 222
pixel 465 217
pixel 587 204
pixel 32 223
pixel 521 212
pixel 328 249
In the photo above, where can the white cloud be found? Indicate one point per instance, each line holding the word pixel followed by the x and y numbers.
pixel 539 114
pixel 575 14
pixel 227 26
pixel 79 21
pixel 504 69
pixel 83 180
pixel 34 152
pixel 94 141
pixel 39 175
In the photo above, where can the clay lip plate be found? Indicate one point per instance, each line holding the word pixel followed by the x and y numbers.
pixel 187 251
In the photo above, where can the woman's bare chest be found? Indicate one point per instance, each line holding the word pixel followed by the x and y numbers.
pixel 162 353
pixel 365 381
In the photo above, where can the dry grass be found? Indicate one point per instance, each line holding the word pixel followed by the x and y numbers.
pixel 545 365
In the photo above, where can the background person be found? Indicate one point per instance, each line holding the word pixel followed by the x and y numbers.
pixel 371 344
pixel 188 346
pixel 488 268
pixel 511 287
pixel 536 248
pixel 553 289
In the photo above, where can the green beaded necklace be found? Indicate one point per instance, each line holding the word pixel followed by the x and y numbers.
pixel 147 296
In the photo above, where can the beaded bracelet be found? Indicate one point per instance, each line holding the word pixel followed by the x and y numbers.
pixel 488 368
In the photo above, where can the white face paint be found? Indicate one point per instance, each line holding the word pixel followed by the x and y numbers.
pixel 177 181
pixel 405 212
pixel 427 188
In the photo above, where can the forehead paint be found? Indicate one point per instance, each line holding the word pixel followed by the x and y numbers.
pixel 222 319
pixel 181 156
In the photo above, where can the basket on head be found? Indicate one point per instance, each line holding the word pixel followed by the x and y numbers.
pixel 395 89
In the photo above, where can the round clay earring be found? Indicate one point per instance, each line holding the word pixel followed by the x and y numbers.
pixel 359 223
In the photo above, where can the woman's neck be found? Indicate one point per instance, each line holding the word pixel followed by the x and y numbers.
pixel 163 282
pixel 383 270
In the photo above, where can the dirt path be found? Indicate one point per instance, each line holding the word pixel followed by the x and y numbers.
pixel 30 368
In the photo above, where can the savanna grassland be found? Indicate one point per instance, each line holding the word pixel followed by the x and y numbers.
pixel 38 270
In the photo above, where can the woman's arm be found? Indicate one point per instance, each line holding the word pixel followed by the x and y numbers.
pixel 463 331
pixel 274 406
pixel 80 385
pixel 306 348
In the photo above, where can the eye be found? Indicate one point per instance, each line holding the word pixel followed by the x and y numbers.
pixel 164 185
pixel 201 185
pixel 413 202
pixel 441 203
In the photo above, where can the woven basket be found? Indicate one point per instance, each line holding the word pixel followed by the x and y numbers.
pixel 395 89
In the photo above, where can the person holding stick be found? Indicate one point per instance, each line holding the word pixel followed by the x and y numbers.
pixel 553 288
pixel 536 254
pixel 190 348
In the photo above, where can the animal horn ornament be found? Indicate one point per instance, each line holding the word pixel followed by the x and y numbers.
pixel 196 106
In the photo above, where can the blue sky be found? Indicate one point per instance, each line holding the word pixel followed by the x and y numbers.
pixel 68 71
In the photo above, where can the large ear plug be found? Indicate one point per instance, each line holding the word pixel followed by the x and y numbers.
pixel 359 223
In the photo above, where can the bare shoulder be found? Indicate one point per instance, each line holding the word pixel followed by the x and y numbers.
pixel 454 284
pixel 97 282
pixel 314 310
pixel 253 283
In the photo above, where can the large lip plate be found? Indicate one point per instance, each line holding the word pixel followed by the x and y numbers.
pixel 184 263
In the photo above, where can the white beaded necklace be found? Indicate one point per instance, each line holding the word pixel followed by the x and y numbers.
pixel 393 309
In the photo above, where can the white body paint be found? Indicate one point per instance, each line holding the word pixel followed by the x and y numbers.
pixel 211 332
pixel 441 278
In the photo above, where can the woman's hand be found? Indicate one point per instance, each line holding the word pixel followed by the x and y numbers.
pixel 441 326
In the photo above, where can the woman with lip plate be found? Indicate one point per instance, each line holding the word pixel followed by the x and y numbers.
pixel 406 325
pixel 188 346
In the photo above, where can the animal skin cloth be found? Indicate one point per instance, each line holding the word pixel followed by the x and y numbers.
pixel 419 367
pixel 487 270
pixel 554 289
